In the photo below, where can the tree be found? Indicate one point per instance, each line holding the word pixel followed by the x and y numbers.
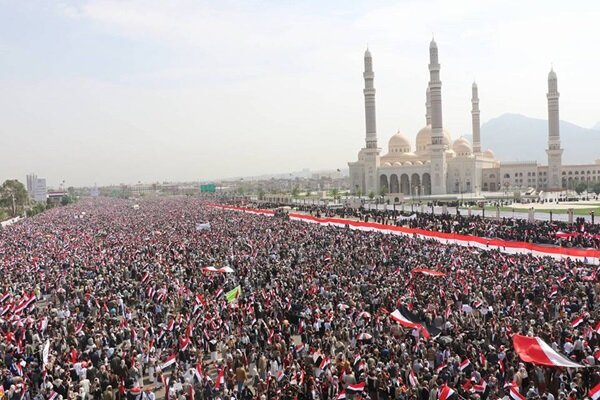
pixel 581 187
pixel 335 193
pixel 13 195
pixel 295 191
pixel 371 195
pixel 261 193
pixel 383 191
pixel 36 209
pixel 596 188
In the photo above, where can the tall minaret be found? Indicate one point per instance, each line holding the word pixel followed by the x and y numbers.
pixel 369 92
pixel 427 107
pixel 438 148
pixel 475 119
pixel 554 151
pixel 371 152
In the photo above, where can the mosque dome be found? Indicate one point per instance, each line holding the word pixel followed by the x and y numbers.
pixel 424 138
pixel 462 147
pixel 489 154
pixel 398 144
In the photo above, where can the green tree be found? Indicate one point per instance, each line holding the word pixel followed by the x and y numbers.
pixel 335 193
pixel 308 193
pixel 261 193
pixel 13 196
pixel 371 195
pixel 581 187
pixel 596 188
pixel 383 191
pixel 37 208
pixel 295 191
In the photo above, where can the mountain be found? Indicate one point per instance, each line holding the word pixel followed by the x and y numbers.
pixel 515 137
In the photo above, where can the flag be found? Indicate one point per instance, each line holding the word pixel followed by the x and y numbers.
pixel 412 378
pixel 536 351
pixel 221 270
pixel 577 321
pixel 440 367
pixel 184 343
pixel 597 328
pixel 166 380
pixel 515 395
pixel 198 373
pixel 219 292
pixel 220 379
pixel 595 392
pixel 446 392
pixel 325 363
pixel 341 395
pixel 481 387
pixel 356 388
pixel 464 364
pixel 170 361
pixel 233 294
pixel 46 352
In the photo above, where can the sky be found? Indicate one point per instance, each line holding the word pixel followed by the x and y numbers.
pixel 124 91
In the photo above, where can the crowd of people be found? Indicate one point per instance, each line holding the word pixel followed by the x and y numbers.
pixel 580 234
pixel 103 301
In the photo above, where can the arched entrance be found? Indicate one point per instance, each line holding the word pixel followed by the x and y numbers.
pixel 405 184
pixel 383 184
pixel 426 184
pixel 415 184
pixel 394 184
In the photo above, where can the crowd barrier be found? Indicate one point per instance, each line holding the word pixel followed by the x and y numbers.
pixel 590 256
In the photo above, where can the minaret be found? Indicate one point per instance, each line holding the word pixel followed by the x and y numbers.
pixel 554 151
pixel 371 153
pixel 427 107
pixel 369 92
pixel 438 148
pixel 475 119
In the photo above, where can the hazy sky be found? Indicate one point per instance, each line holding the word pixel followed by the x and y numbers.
pixel 111 91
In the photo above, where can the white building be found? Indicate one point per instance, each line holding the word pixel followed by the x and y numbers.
pixel 438 165
pixel 36 187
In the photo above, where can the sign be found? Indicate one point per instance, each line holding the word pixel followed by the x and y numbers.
pixel 208 188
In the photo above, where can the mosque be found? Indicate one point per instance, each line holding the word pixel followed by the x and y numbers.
pixel 439 165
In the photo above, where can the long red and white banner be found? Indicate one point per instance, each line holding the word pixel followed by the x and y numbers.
pixel 591 256
pixel 536 351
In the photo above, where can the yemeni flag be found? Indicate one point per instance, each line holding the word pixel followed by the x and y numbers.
pixel 184 343
pixel 446 393
pixel 146 276
pixel 341 395
pixel 595 392
pixel 412 378
pixel 577 321
pixel 200 300
pixel 597 328
pixel 220 379
pixel 535 350
pixel 481 387
pixel 325 363
pixel 170 361
pixel 53 395
pixel 464 364
pixel 356 388
pixel 233 294
pixel 166 382
pixel 440 367
pixel 198 373
pixel 515 395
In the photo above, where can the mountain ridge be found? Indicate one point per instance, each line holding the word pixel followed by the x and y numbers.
pixel 516 137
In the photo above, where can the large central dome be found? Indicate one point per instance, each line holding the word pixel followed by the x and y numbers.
pixel 424 139
pixel 398 144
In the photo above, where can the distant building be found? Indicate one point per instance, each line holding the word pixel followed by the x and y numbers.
pixel 36 187
pixel 439 166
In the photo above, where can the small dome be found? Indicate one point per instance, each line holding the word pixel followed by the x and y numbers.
pixel 489 154
pixel 418 162
pixel 397 164
pixel 399 144
pixel 462 147
pixel 424 139
pixel 408 163
pixel 387 164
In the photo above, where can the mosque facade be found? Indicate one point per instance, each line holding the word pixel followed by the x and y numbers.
pixel 438 165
